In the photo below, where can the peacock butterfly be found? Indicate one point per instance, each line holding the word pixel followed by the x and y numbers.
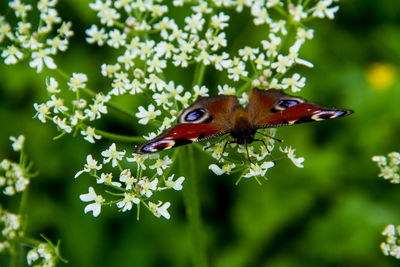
pixel 210 117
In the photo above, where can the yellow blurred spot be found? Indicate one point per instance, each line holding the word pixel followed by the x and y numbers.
pixel 381 76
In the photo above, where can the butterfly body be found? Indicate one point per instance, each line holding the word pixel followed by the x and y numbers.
pixel 210 117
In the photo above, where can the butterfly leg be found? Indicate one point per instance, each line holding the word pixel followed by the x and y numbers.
pixel 266 147
pixel 248 154
pixel 224 148
pixel 272 137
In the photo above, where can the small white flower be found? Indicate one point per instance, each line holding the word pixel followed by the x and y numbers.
pixel 219 21
pixel 226 90
pixel 106 178
pixel 11 55
pixel 161 164
pixel 146 115
pixel 77 81
pixel 194 23
pixel 290 154
pixel 111 154
pixel 92 196
pixel 62 124
pixel 297 12
pixel 248 53
pixel 226 168
pixel 126 203
pixel 200 91
pixel 381 160
pixel 52 85
pixel 91 164
pixel 57 104
pixel 139 159
pixel 257 170
pixel 90 134
pixel 18 143
pixel 271 46
pixel 283 63
pixel 146 187
pixel 322 10
pixel 160 209
pixel 127 178
pixel 96 35
pixel 40 58
pixel 295 83
pixel 177 184
pixel 237 70
pixel 116 38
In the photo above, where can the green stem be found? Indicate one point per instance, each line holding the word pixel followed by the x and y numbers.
pixel 118 137
pixel 192 208
pixel 199 74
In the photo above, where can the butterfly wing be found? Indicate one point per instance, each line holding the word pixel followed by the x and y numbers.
pixel 206 118
pixel 274 108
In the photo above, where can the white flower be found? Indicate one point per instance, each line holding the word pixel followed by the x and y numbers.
pixel 42 57
pixel 96 35
pixel 52 85
pixel 62 124
pixel 146 187
pixel 237 70
pixel 381 160
pixel 57 104
pixel 90 134
pixel 19 8
pixel 297 12
pixel 226 168
pixel 127 178
pixel 161 164
pixel 91 196
pixel 200 91
pixel 290 154
pixel 155 64
pixel 160 209
pixel 295 83
pixel 282 64
pixel 139 159
pixel 256 170
pixel 112 154
pixel 248 53
pixel 77 81
pixel 194 23
pixel 126 203
pixel 116 38
pixel 91 164
pixel 106 178
pixel 18 143
pixel 219 21
pixel 176 185
pixel 272 45
pixel 11 55
pixel 147 115
pixel 322 10
pixel 226 90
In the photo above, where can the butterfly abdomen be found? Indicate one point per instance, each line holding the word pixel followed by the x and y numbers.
pixel 242 128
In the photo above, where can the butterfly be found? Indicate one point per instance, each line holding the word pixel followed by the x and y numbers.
pixel 210 117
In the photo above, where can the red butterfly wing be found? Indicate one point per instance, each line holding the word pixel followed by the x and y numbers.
pixel 274 108
pixel 206 118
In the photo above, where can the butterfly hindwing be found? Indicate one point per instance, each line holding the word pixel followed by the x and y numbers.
pixel 274 108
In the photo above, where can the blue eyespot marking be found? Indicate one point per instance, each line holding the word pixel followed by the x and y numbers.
pixel 287 103
pixel 195 115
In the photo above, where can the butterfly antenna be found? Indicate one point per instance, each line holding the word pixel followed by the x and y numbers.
pixel 272 137
pixel 211 145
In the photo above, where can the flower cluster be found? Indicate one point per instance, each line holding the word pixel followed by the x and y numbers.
pixel 149 43
pixel 10 224
pixel 129 187
pixel 14 177
pixel 44 254
pixel 34 40
pixel 391 246
pixel 74 115
pixel 389 166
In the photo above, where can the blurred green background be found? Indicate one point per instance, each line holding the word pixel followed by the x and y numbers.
pixel 331 213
